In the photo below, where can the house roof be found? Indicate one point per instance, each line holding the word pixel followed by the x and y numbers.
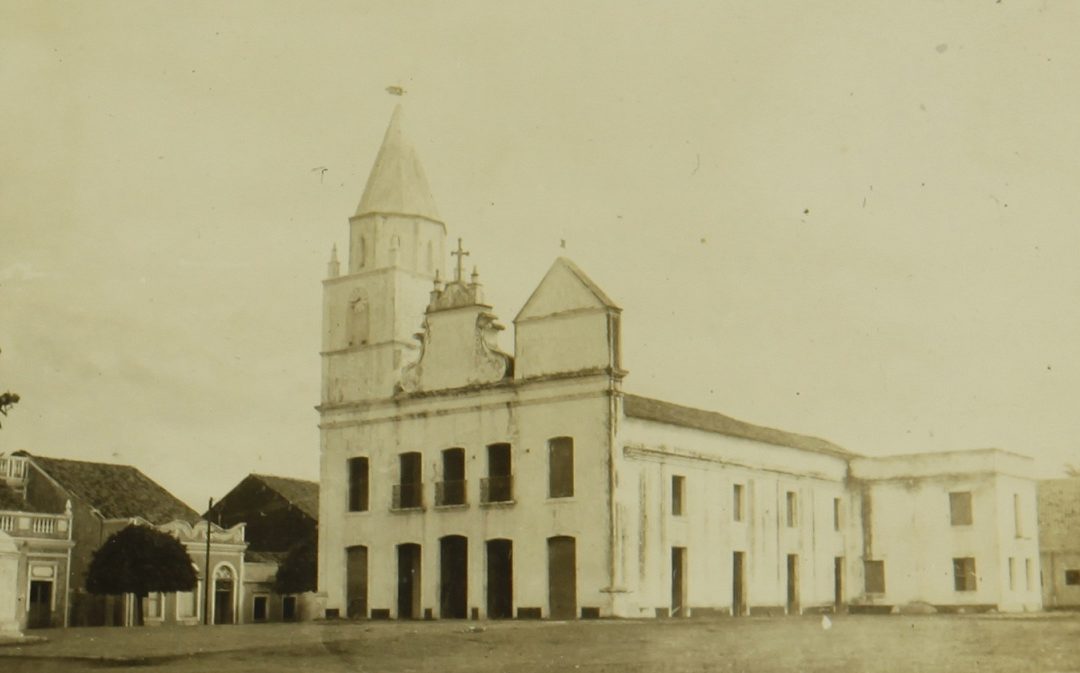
pixel 10 500
pixel 397 183
pixel 659 411
pixel 300 492
pixel 116 491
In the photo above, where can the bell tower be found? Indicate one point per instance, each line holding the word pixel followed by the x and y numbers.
pixel 397 245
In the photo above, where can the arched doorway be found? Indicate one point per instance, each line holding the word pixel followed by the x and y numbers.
pixel 224 595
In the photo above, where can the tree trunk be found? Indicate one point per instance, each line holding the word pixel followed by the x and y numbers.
pixel 138 616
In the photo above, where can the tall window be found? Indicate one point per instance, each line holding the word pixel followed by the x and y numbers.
pixel 561 467
pixel 837 512
pixel 499 484
pixel 792 517
pixel 1012 573
pixel 738 502
pixel 451 490
pixel 358 484
pixel 875 576
pixel 1018 517
pixel 678 494
pixel 409 494
pixel 1029 566
pixel 960 508
pixel 964 574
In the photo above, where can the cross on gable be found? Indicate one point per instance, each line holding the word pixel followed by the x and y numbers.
pixel 461 254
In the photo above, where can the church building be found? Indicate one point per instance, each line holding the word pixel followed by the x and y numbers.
pixel 462 480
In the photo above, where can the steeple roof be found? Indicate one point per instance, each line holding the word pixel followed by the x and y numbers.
pixel 397 184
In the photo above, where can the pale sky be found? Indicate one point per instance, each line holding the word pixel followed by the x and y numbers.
pixel 857 219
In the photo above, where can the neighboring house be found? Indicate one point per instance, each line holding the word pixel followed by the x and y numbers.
pixel 458 480
pixel 35 556
pixel 278 513
pixel 1059 539
pixel 99 499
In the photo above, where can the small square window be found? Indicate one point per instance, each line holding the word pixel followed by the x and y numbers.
pixel 875 576
pixel 1072 577
pixel 960 508
pixel 964 574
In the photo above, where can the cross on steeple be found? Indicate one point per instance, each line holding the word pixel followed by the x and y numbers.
pixel 461 254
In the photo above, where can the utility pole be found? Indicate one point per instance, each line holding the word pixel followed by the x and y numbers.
pixel 206 569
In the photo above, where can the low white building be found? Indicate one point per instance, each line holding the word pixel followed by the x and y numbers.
pixel 458 480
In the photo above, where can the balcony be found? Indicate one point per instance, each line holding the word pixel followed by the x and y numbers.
pixel 39 526
pixel 449 493
pixel 408 496
pixel 497 489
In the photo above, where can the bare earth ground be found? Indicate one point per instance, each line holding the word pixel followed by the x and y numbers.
pixel 1043 643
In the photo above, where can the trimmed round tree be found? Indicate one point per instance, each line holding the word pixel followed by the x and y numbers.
pixel 138 560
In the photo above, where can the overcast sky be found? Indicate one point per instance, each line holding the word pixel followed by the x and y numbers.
pixel 850 219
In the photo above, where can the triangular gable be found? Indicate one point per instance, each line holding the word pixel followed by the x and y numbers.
pixel 565 287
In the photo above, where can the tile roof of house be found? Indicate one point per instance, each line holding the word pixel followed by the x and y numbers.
pixel 300 492
pixel 659 411
pixel 11 501
pixel 116 491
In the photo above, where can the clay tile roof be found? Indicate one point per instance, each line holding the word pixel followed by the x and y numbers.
pixel 300 492
pixel 648 409
pixel 116 491
pixel 11 501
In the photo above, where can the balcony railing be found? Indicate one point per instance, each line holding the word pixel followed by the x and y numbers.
pixel 449 493
pixel 28 525
pixel 497 489
pixel 408 496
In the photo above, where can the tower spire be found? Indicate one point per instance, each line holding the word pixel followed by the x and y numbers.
pixel 397 184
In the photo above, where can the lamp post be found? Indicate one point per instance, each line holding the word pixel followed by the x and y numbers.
pixel 206 568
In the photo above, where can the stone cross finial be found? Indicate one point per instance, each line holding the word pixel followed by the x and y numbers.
pixel 461 254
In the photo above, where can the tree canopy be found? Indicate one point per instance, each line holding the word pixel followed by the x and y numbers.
pixel 298 572
pixel 138 560
pixel 7 400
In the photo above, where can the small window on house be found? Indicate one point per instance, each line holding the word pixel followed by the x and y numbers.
pixel 964 574
pixel 1018 519
pixel 258 610
pixel 960 508
pixel 358 484
pixel 836 514
pixel 875 576
pixel 561 467
pixel 738 502
pixel 1072 577
pixel 792 518
pixel 678 494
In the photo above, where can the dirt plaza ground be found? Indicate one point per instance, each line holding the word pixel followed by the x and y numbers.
pixel 1043 643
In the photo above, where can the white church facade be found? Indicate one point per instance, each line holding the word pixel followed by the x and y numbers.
pixel 462 481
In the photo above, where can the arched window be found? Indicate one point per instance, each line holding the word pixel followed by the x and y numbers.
pixel 429 259
pixel 358 322
pixel 363 252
